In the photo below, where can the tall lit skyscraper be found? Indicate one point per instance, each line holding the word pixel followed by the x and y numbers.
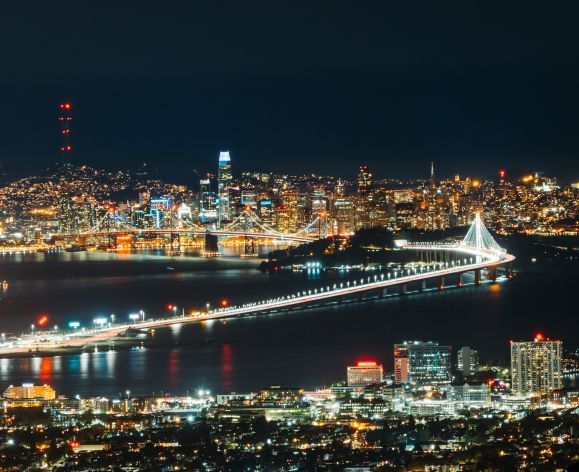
pixel 536 366
pixel 365 373
pixel 224 181
pixel 422 363
pixel 364 198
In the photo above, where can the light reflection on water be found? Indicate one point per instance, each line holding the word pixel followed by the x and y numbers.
pixel 303 348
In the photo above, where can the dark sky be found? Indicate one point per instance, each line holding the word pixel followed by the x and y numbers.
pixel 295 86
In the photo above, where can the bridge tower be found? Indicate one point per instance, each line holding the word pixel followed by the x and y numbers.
pixel 478 236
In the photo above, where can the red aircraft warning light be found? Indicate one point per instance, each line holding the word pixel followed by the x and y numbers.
pixel 42 320
pixel 65 118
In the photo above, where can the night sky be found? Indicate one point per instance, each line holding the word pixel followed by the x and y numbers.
pixel 295 86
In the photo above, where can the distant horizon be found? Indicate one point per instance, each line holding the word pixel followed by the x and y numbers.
pixel 197 173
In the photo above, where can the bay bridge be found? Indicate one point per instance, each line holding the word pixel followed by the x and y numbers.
pixel 447 265
pixel 247 226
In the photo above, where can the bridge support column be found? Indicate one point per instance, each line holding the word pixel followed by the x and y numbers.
pixel 509 270
pixel 422 285
pixel 441 283
pixel 493 273
pixel 477 277
pixel 459 280
pixel 249 246
pixel 402 289
pixel 174 240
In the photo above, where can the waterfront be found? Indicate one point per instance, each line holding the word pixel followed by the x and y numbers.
pixel 307 348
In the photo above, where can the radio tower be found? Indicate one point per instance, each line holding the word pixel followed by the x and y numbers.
pixel 65 118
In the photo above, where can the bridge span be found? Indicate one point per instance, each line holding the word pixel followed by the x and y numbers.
pixel 474 254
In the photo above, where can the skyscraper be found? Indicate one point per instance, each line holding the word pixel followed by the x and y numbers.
pixel 536 366
pixel 224 181
pixel 364 198
pixel 422 363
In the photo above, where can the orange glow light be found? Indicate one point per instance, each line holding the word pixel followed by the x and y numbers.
pixel 224 303
pixel 539 337
pixel 367 364
pixel 42 320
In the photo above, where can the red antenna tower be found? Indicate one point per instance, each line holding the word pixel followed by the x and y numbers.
pixel 65 118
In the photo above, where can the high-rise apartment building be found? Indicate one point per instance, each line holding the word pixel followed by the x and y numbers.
pixel 365 373
pixel 401 363
pixel 536 366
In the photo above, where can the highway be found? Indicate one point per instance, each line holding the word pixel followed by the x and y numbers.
pixel 477 259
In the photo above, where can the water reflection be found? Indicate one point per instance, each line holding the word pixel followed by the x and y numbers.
pixel 226 367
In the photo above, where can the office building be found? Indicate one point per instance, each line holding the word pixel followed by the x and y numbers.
pixel 422 363
pixel 467 361
pixel 536 366
pixel 365 373
pixel 224 181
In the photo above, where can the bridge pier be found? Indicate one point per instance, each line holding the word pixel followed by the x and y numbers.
pixel 459 280
pixel 509 270
pixel 422 285
pixel 175 242
pixel 493 273
pixel 402 289
pixel 441 283
pixel 477 276
pixel 249 246
pixel 112 241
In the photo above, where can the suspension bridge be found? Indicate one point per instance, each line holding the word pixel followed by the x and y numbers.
pixel 477 254
pixel 247 225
